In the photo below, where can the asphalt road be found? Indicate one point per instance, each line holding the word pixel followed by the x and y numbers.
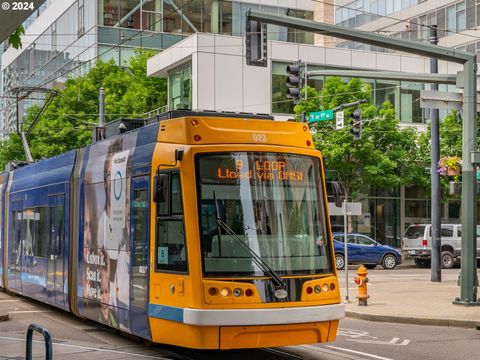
pixel 384 341
pixel 357 339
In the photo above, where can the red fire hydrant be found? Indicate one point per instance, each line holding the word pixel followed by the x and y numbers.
pixel 361 281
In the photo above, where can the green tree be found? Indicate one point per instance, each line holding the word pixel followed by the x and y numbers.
pixel 68 121
pixel 450 137
pixel 15 38
pixel 385 156
pixel 450 130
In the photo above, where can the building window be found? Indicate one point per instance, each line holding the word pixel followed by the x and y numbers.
pixel 53 30
pixel 389 7
pixel 381 7
pixel 81 18
pixel 295 35
pixel 32 59
pixel 397 5
pixel 180 95
pixel 151 18
pixel 386 90
pixel 451 26
pixel 226 18
pixel 432 18
pixel 478 12
pixel 410 110
pixel 422 28
pixel 460 18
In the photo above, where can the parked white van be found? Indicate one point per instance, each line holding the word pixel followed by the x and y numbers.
pixel 417 242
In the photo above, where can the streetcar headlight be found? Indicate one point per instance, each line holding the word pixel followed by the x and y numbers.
pixel 225 292
pixel 325 287
pixel 212 291
pixel 237 292
pixel 317 289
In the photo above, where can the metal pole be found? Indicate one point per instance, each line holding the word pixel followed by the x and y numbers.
pixel 28 154
pixel 388 75
pixel 436 194
pixel 345 224
pixel 305 81
pixel 101 114
pixel 18 114
pixel 468 274
pixel 344 106
pixel 468 283
pixel 365 37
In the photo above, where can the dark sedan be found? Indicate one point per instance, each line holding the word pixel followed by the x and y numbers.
pixel 364 250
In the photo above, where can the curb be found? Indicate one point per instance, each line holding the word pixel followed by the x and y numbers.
pixel 414 320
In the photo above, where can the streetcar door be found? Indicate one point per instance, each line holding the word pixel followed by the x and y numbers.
pixel 55 263
pixel 15 246
pixel 139 205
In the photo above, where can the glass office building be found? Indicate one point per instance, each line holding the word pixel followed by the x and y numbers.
pixel 88 30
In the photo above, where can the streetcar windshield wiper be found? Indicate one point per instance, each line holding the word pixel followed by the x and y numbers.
pixel 277 281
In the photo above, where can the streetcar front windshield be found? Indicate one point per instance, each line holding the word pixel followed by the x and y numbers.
pixel 262 205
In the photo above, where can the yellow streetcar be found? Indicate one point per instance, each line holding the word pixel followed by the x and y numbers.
pixel 202 230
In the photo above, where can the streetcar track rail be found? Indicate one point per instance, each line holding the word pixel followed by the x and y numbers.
pixel 285 355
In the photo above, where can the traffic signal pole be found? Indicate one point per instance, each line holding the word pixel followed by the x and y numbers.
pixel 468 277
pixel 436 193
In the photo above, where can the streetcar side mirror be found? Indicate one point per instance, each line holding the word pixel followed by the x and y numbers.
pixel 160 188
pixel 337 194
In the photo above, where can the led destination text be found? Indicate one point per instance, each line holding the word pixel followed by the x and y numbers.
pixel 263 170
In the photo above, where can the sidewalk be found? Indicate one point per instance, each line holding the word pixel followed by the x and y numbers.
pixel 405 295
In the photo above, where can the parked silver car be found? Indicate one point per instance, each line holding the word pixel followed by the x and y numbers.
pixel 417 242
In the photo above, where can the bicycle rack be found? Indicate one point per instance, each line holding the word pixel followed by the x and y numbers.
pixel 46 337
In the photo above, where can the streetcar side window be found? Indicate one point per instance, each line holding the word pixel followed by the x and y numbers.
pixel 140 248
pixel 171 251
pixel 40 243
pixel 176 195
pixel 160 195
pixel 28 231
pixel 35 231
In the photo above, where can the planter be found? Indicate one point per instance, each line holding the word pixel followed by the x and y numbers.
pixel 453 170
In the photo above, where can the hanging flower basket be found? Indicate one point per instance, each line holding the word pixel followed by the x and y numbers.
pixel 453 170
pixel 449 166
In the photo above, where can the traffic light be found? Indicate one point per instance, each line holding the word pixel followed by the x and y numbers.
pixel 356 122
pixel 256 43
pixel 294 83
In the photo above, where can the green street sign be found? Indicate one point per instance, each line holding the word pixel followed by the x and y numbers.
pixel 321 115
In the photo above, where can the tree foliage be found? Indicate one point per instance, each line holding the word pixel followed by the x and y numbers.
pixel 450 137
pixel 15 38
pixel 68 121
pixel 450 142
pixel 385 156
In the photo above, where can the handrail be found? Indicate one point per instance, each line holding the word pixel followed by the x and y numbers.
pixel 46 337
